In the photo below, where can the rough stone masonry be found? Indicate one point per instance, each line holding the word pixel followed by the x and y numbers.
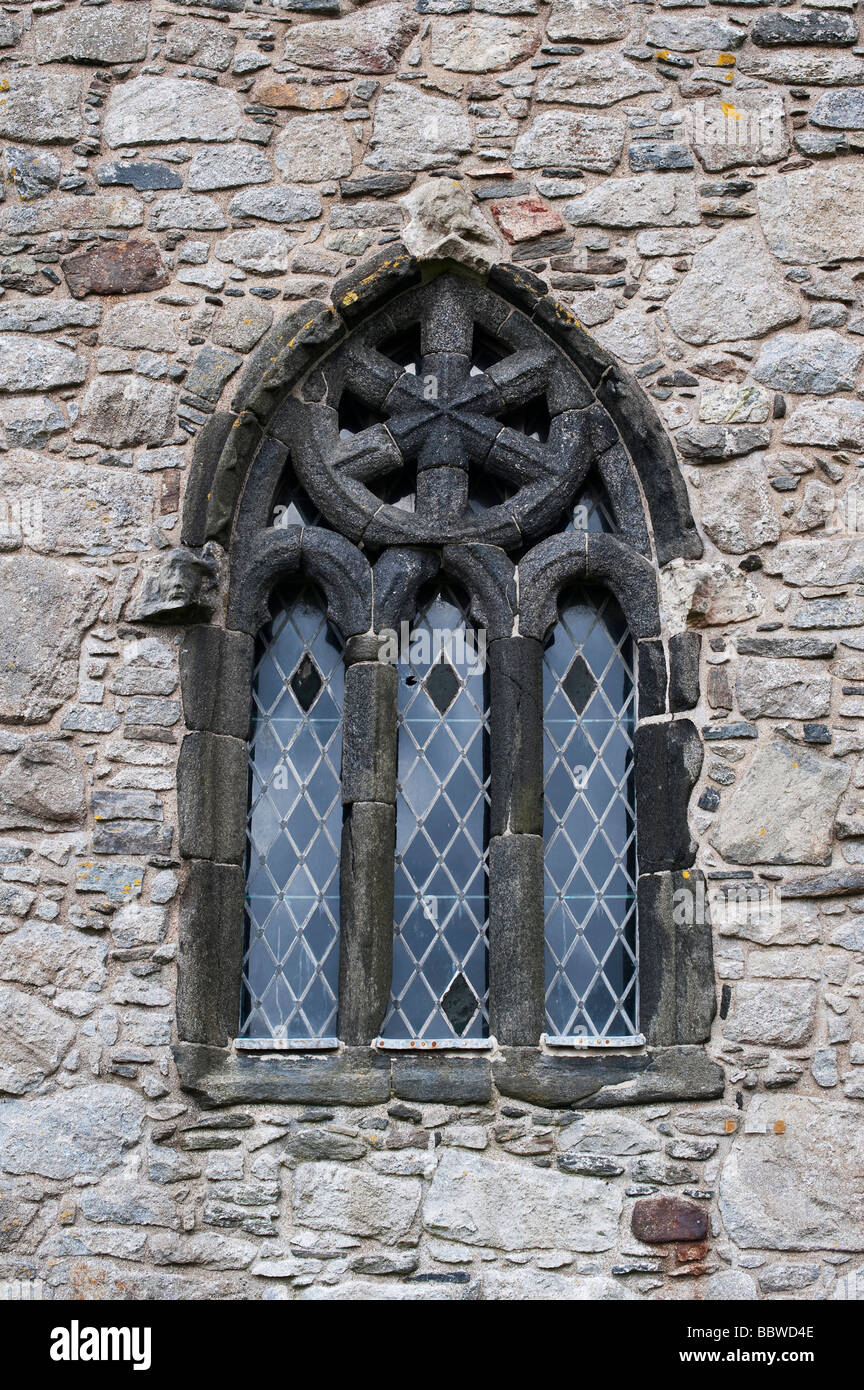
pixel 176 178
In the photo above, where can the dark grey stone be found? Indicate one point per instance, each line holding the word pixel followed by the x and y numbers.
pixel 840 110
pixel 717 442
pixel 837 883
pixel 225 481
pixel 141 176
pixel 668 762
pixel 653 679
pixel 716 733
pixel 374 281
pixel 258 567
pixel 366 915
pixel 398 575
pixel 618 477
pixel 209 444
pixel 125 805
pixel 799 648
pixel 354 1076
pixel 216 680
pixel 516 944
pixel 442 1078
pixel 516 705
pixel 658 154
pixel 210 952
pixel 212 369
pixel 805 27
pixel 602 1082
pixel 280 359
pixel 375 185
pixel 211 797
pixel 685 649
pixel 676 968
pixel 489 576
pixel 369 734
pixel 132 837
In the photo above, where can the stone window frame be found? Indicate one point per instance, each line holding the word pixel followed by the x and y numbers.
pixel 238 463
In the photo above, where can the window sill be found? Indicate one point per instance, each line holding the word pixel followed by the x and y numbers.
pixel 286 1044
pixel 434 1045
pixel 369 1076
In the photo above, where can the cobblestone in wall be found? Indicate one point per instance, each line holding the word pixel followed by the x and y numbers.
pixel 688 181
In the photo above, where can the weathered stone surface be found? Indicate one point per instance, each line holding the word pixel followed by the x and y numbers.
pixel 481 43
pixel 41 107
pixel 569 139
pixel 49 1137
pixel 92 510
pixel 145 175
pixel 609 1134
pixel 75 214
pixel 126 410
pixel 138 326
pixel 162 110
pixel 806 27
pixel 785 1183
pixel 331 1197
pixel 47 315
pixel 129 267
pixel 39 954
pixel 659 1220
pixel 207 45
pixel 43 782
pixel 31 174
pixel 817 363
pixel 685 34
pixel 313 147
pixel 737 509
pixel 472 1198
pixel 782 810
pixel 843 110
pixel 230 166
pixel 837 560
pixel 816 69
pixel 785 689
pixel 702 594
pixel 588 21
pixel 276 204
pixel 187 211
pixel 523 219
pixel 33 1041
pixel 826 423
pixel 751 130
pixel 814 215
pixel 732 291
pixel 301 97
pixel 443 223
pixel 630 336
pixel 370 40
pixel 109 34
pixel 596 80
pixel 241 326
pixel 46 608
pixel 734 405
pixel 30 420
pixel 413 130
pixel 638 202
pixel 779 1013
pixel 262 250
pixel 30 365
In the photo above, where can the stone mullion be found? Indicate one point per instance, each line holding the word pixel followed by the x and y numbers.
pixel 516 946
pixel 368 841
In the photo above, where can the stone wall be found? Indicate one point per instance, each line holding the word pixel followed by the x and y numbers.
pixel 686 178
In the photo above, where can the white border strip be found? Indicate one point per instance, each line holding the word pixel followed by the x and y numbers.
pixel 581 1041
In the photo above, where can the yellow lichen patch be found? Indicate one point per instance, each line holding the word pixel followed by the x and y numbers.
pixel 729 110
pixel 725 60
pixel 779 1126
pixel 662 54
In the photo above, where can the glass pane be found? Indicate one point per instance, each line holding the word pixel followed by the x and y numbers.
pixel 589 827
pixel 592 510
pixel 440 986
pixel 294 826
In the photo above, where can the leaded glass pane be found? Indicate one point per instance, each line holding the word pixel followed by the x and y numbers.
pixel 294 823
pixel 589 826
pixel 440 986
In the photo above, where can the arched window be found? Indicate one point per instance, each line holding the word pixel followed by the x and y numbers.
pixel 440 966
pixel 589 826
pixel 441 852
pixel 291 946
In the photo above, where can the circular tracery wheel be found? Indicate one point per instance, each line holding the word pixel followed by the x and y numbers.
pixel 445 418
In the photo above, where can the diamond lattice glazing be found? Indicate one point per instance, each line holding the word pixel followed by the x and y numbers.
pixel 290 963
pixel 440 984
pixel 590 823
